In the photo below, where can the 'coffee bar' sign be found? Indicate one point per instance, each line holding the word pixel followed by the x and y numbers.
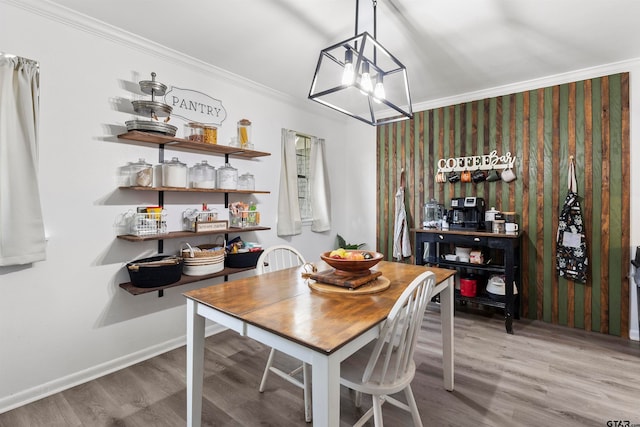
pixel 194 106
pixel 471 163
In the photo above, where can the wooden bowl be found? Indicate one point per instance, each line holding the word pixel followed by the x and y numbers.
pixel 352 267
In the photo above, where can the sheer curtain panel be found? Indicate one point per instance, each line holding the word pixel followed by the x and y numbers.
pixel 320 207
pixel 289 222
pixel 22 239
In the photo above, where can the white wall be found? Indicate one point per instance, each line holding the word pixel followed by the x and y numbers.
pixel 65 320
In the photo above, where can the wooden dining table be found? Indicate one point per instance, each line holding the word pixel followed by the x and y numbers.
pixel 282 311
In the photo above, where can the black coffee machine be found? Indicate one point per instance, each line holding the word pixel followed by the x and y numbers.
pixel 467 213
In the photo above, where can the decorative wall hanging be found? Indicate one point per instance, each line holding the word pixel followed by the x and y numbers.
pixel 472 163
pixel 194 106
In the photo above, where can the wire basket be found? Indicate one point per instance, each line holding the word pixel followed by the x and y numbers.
pixel 146 224
pixel 244 218
pixel 195 220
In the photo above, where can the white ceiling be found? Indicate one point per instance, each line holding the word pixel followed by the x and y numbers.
pixel 449 47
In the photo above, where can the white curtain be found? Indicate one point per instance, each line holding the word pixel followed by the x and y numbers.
pixel 320 206
pixel 22 239
pixel 289 222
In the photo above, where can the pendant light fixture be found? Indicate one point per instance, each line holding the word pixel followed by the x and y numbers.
pixel 360 78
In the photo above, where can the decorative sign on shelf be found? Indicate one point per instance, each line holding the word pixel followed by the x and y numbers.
pixel 194 106
pixel 471 163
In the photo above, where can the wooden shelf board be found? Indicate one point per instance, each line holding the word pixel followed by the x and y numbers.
pixel 195 190
pixel 134 290
pixel 183 234
pixel 186 144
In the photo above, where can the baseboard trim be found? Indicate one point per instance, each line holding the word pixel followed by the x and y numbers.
pixel 47 389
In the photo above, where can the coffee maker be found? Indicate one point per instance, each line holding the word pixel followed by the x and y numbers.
pixel 467 213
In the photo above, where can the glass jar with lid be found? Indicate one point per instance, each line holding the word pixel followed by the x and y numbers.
pixel 141 174
pixel 124 175
pixel 246 181
pixel 244 133
pixel 210 134
pixel 203 175
pixel 432 214
pixel 227 177
pixel 194 131
pixel 174 174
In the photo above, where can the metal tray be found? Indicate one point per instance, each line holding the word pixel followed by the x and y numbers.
pixel 151 126
pixel 147 108
pixel 152 87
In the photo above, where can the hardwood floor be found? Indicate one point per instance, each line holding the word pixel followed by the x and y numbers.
pixel 543 375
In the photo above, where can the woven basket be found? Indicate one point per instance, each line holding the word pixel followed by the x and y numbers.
pixel 202 251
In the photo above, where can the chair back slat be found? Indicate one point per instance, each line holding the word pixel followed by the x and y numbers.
pixel 277 258
pixel 393 352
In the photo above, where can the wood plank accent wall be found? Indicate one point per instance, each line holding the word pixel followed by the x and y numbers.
pixel 542 128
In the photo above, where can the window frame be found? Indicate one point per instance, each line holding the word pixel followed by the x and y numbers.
pixel 303 167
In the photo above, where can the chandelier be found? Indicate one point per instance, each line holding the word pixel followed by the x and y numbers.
pixel 362 79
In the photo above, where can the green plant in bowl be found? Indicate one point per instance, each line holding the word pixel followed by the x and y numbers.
pixel 343 244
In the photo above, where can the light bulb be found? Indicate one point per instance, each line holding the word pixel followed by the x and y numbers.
pixel 365 80
pixel 378 92
pixel 348 73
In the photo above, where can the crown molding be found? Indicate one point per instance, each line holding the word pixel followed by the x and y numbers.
pixel 79 21
pixel 568 77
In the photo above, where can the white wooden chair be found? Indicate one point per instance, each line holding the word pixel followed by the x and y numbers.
pixel 273 259
pixel 385 366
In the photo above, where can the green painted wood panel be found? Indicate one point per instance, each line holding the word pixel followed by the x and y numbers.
pixel 542 128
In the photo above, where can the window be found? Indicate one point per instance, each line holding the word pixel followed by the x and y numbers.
pixel 303 194
pixel 303 154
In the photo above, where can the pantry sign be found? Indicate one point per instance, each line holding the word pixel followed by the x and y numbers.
pixel 194 106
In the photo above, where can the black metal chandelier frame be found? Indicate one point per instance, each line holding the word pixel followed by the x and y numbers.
pixel 364 51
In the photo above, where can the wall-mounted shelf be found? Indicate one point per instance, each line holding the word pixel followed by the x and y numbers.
pixel 185 144
pixel 195 190
pixel 134 290
pixel 185 234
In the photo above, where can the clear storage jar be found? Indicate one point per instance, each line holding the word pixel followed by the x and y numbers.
pixel 227 177
pixel 174 174
pixel 194 131
pixel 210 134
pixel 141 174
pixel 203 175
pixel 244 133
pixel 246 181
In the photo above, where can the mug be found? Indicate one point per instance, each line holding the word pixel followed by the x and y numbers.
pixel 508 175
pixel 454 177
pixel 441 177
pixel 478 176
pixel 511 227
pixel 465 176
pixel 493 176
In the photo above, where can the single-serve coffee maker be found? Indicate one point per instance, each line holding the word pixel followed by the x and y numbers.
pixel 467 213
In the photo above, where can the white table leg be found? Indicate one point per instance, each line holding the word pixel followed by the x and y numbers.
pixel 195 364
pixel 325 376
pixel 446 316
